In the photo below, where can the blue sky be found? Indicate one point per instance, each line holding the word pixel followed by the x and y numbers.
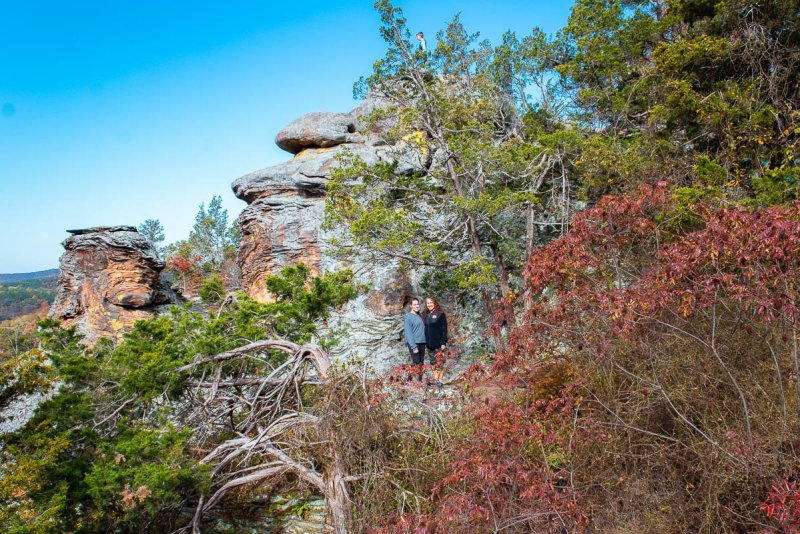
pixel 116 112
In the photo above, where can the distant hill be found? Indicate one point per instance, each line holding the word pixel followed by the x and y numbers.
pixel 24 293
pixel 17 277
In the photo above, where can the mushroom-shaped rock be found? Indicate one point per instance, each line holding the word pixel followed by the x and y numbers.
pixel 110 277
pixel 317 130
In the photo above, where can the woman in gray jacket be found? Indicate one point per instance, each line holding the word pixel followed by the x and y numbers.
pixel 414 331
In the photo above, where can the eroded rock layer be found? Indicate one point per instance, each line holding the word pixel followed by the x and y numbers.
pixel 110 277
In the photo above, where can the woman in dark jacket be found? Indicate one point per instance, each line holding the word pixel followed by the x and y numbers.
pixel 435 337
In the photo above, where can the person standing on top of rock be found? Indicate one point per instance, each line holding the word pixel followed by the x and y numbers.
pixel 435 337
pixel 414 332
pixel 421 39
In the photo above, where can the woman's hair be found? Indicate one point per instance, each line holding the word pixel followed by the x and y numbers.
pixel 436 306
pixel 408 299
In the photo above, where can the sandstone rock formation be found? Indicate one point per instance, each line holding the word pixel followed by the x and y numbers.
pixel 282 226
pixel 110 277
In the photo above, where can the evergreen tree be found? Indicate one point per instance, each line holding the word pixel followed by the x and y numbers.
pixel 211 237
pixel 153 231
pixel 702 94
pixel 492 156
pixel 114 448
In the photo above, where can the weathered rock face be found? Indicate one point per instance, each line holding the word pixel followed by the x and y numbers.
pixel 282 225
pixel 110 277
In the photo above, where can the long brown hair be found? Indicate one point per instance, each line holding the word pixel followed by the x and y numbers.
pixel 436 307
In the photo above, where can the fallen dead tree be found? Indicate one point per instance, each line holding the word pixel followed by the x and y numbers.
pixel 269 419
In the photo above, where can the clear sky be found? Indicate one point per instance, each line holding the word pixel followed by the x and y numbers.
pixel 116 112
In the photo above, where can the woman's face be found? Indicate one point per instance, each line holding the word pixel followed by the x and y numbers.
pixel 415 306
pixel 429 304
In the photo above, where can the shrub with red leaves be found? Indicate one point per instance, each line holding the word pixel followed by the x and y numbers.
pixel 648 385
pixel 689 343
pixel 511 472
pixel 783 504
pixel 182 264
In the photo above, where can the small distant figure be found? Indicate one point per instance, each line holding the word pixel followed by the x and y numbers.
pixel 421 39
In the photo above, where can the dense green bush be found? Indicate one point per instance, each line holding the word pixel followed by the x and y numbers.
pixel 212 289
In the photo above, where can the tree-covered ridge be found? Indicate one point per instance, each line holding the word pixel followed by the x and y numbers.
pixel 7 278
pixel 25 296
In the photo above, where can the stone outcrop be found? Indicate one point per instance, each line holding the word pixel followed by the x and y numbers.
pixel 318 130
pixel 282 225
pixel 110 277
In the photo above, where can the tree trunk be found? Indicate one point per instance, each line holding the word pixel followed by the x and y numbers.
pixel 530 230
pixel 337 498
pixel 472 232
pixel 502 273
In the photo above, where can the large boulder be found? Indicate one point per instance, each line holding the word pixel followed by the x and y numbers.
pixel 110 277
pixel 317 130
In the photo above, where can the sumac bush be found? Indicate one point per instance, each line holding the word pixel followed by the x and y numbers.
pixel 687 345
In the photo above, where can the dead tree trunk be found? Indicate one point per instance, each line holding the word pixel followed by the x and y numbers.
pixel 271 416
pixel 337 495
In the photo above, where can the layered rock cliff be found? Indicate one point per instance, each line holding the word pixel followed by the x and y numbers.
pixel 282 225
pixel 110 277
